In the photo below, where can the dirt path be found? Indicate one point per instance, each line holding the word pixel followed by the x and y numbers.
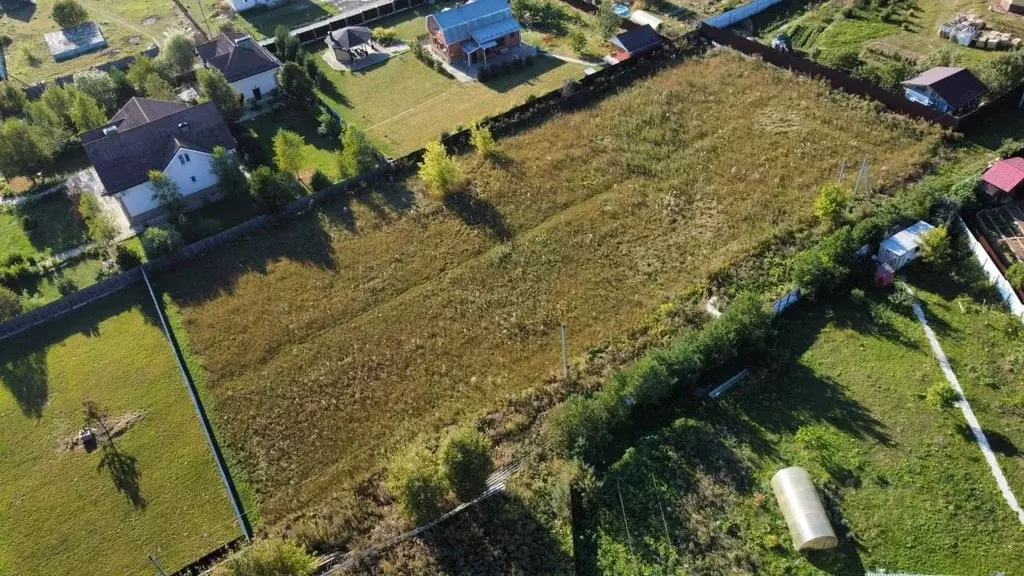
pixel 94 7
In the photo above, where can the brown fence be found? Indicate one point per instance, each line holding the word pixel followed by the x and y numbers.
pixel 199 30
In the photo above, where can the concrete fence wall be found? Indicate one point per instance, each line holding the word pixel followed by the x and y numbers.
pixel 994 271
pixel 740 13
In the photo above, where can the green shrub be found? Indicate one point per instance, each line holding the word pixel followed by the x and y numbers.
pixel 67 13
pixel 270 189
pixel 272 557
pixel 439 169
pixel 466 461
pixel 126 258
pixel 318 180
pixel 822 268
pixel 160 241
pixel 935 245
pixel 483 140
pixel 385 36
pixel 10 304
pixel 1015 275
pixel 417 483
pixel 832 202
pixel 66 285
pixel 942 396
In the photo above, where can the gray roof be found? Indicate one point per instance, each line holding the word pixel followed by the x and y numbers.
pixel 149 134
pixel 237 56
pixel 957 86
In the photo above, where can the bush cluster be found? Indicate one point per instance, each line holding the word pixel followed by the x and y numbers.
pixel 487 72
pixel 17 269
pixel 423 55
pixel 585 427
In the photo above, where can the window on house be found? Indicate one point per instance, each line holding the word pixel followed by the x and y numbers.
pixel 182 160
pixel 187 159
pixel 193 178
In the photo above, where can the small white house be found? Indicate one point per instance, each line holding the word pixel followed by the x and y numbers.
pixel 249 67
pixel 150 135
pixel 903 247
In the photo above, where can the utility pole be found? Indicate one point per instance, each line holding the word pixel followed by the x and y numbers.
pixel 209 29
pixel 565 354
pixel 159 569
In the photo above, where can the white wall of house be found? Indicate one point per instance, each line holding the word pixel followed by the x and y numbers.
pixel 265 81
pixel 243 5
pixel 195 174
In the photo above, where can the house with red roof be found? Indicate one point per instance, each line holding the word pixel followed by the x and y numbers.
pixel 1004 177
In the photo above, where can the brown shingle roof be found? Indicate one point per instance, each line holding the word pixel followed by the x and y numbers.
pixel 957 86
pixel 237 56
pixel 149 134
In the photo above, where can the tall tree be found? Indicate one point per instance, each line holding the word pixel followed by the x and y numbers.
pixel 357 154
pixel 271 189
pixel 296 85
pixel 12 100
pixel 86 113
pixel 123 89
pixel 98 223
pixel 215 87
pixel 49 123
pixel 60 99
pixel 67 13
pixel 179 53
pixel 24 150
pixel 229 174
pixel 167 195
pixel 607 20
pixel 99 86
pixel 288 151
pixel 286 46
pixel 156 87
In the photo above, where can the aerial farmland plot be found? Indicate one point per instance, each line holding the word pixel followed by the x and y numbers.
pixel 154 489
pixel 327 341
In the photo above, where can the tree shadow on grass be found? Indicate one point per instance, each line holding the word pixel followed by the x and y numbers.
pixel 124 472
pixel 25 377
pixel 479 213
pixel 998 441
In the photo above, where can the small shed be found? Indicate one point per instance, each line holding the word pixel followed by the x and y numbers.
pixel 635 41
pixel 344 42
pixel 74 41
pixel 801 507
pixel 903 247
pixel 1004 177
pixel 643 17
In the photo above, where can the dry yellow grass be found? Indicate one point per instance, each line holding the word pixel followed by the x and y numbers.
pixel 331 340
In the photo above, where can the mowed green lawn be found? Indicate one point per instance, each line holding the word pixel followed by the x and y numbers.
pixel 331 339
pixel 319 152
pixel 905 480
pixel 129 26
pixel 58 510
pixel 52 227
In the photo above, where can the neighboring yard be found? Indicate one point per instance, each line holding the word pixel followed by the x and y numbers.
pixel 389 314
pixel 48 225
pixel 59 509
pixel 906 478
pixel 129 26
pixel 320 152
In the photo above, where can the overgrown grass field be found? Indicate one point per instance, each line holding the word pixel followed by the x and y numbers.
pixel 332 339
pixel 129 26
pixel 161 494
pixel 904 480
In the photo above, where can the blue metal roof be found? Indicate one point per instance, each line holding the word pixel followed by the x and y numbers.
pixel 496 30
pixel 458 24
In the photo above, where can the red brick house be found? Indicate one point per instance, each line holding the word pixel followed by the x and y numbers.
pixel 474 31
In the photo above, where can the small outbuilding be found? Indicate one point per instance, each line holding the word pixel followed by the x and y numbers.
pixel 635 41
pixel 1005 177
pixel 947 89
pixel 903 247
pixel 345 42
pixel 642 17
pixel 74 41
pixel 801 507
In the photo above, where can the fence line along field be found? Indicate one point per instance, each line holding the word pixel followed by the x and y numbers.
pixel 153 489
pixel 331 339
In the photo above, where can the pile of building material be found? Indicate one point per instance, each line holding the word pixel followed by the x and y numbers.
pixel 970 30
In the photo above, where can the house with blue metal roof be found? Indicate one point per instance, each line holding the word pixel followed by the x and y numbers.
pixel 474 31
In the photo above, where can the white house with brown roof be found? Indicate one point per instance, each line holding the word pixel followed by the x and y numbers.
pixel 250 68
pixel 156 135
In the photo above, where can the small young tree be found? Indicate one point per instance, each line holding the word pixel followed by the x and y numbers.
pixel 215 87
pixel 296 86
pixel 95 416
pixel 439 170
pixel 99 86
pixel 159 241
pixel 288 151
pixel 49 124
pixel 942 396
pixel 271 557
pixel 357 153
pixel 483 140
pixel 832 202
pixel 466 462
pixel 270 189
pixel 579 43
pixel 229 174
pixel 123 89
pixel 416 482
pixel 1015 275
pixel 10 304
pixel 935 245
pixel 12 100
pixel 607 20
pixel 179 53
pixel 100 226
pixel 286 46
pixel 67 13
pixel 86 113
pixel 167 195
pixel 141 70
pixel 328 125
pixel 24 149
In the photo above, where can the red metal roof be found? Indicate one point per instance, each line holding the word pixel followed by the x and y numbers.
pixel 1005 175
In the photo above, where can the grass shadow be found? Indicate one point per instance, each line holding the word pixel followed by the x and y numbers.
pixel 542 64
pixel 124 472
pixel 19 10
pixel 289 15
pixel 998 441
pixel 479 213
pixel 51 223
